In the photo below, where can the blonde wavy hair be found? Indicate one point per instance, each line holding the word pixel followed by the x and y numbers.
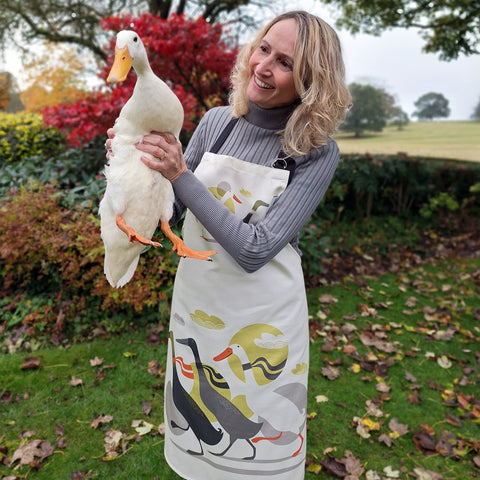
pixel 319 77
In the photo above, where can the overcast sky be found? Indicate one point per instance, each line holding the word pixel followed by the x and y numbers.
pixel 393 61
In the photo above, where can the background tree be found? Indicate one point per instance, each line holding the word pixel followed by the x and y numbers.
pixel 78 21
pixel 9 93
pixel 476 112
pixel 431 105
pixel 368 111
pixel 398 118
pixel 53 77
pixel 190 55
pixel 449 27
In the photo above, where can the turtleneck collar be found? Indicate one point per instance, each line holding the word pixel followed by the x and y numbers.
pixel 271 118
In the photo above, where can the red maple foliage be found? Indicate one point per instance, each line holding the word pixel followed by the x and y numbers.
pixel 191 56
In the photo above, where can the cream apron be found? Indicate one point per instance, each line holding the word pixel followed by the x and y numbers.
pixel 236 382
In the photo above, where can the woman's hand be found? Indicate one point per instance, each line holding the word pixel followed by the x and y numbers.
pixel 167 154
pixel 108 143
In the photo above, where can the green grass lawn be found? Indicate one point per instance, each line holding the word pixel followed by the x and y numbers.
pixel 453 140
pixel 393 380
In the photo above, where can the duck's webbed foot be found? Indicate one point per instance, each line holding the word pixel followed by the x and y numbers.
pixel 181 248
pixel 132 235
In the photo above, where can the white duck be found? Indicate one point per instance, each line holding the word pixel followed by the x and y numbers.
pixel 137 197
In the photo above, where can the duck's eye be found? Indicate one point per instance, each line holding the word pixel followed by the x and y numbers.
pixel 135 39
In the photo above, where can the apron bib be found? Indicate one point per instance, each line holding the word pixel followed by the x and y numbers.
pixel 237 366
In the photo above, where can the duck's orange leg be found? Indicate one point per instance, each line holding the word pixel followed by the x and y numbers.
pixel 181 248
pixel 132 235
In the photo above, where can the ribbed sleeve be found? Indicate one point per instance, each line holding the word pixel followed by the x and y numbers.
pixel 252 246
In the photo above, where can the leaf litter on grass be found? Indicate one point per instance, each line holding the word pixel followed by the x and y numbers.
pixel 428 319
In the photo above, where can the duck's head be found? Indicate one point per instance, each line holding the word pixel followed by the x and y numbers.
pixel 129 51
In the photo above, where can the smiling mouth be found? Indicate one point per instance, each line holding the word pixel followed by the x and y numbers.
pixel 262 84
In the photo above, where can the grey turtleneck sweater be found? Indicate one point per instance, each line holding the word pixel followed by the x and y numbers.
pixel 254 139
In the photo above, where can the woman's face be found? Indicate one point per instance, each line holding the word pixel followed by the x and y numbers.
pixel 271 67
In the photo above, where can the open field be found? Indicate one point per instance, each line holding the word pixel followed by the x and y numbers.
pixel 454 140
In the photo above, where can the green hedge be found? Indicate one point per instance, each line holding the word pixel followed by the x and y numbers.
pixel 378 185
pixel 22 135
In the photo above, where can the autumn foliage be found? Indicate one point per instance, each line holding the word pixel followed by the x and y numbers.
pixel 190 55
pixel 55 254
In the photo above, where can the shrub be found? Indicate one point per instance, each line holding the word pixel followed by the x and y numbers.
pixel 55 255
pixel 23 136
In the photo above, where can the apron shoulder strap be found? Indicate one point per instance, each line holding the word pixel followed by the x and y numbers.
pixel 283 162
pixel 223 135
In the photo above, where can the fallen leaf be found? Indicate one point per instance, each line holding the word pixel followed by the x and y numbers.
pixel 31 363
pixel 146 408
pixel 114 443
pixel 75 382
pixel 422 474
pixel 330 372
pixel 327 298
pixel 397 428
pixel 59 430
pixel 333 467
pixel 414 397
pixel 26 453
pixel 142 427
pixel 444 361
pixel 383 387
pixel 410 377
pixel 100 420
pixel 372 475
pixel 95 362
pixel 321 399
pixel 390 473
pixel 384 438
pixel 372 409
pixel 352 465
pixel 129 354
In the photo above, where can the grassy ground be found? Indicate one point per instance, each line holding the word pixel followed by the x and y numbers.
pixel 401 346
pixel 455 140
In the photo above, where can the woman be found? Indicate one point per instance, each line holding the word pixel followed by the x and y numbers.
pixel 236 384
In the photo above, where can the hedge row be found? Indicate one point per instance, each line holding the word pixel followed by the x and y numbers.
pixel 23 135
pixel 51 254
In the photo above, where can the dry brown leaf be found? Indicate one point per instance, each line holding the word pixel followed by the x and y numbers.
pixel 146 408
pixel 100 420
pixel 327 298
pixel 386 439
pixel 26 453
pixel 75 382
pixel 372 409
pixel 422 474
pixel 352 465
pixel 331 372
pixel 115 443
pixel 331 466
pixel 95 362
pixel 31 363
pixel 397 428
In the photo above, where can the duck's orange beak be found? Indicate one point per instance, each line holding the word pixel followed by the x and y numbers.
pixel 225 354
pixel 121 65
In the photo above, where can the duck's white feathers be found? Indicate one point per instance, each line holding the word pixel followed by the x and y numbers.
pixel 141 195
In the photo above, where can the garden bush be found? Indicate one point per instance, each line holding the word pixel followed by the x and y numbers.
pixel 367 185
pixel 23 136
pixel 51 269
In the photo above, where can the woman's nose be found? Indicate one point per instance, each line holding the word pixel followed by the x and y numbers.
pixel 264 66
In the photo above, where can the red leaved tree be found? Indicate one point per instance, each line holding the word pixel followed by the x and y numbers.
pixel 189 55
